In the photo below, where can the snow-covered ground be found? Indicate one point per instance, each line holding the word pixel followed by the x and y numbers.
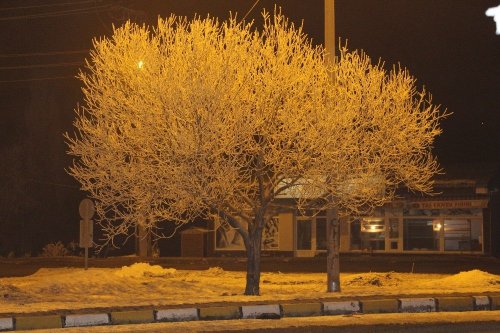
pixel 142 284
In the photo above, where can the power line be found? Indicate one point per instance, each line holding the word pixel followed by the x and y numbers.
pixel 51 5
pixel 38 79
pixel 250 10
pixel 14 55
pixel 58 13
pixel 61 64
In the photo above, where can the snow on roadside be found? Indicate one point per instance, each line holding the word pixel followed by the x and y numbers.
pixel 141 269
pixel 142 284
pixel 469 279
pixel 373 279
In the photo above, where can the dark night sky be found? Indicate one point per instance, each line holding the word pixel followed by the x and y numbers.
pixel 449 45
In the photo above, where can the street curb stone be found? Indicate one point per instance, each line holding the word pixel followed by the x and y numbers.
pixel 262 311
pixel 189 314
pixel 268 311
pixel 495 302
pixel 417 304
pixel 220 312
pixel 132 317
pixel 455 303
pixel 481 303
pixel 380 306
pixel 337 308
pixel 6 324
pixel 301 309
pixel 38 322
pixel 78 320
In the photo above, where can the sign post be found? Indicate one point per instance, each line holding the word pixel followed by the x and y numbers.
pixel 86 210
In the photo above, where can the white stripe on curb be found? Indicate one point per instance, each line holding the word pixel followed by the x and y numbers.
pixel 481 302
pixel 86 320
pixel 346 307
pixel 256 311
pixel 6 324
pixel 177 314
pixel 418 304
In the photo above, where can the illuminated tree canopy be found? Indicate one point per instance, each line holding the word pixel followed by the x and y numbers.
pixel 221 120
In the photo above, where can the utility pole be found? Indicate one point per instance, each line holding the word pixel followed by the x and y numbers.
pixel 330 30
pixel 333 222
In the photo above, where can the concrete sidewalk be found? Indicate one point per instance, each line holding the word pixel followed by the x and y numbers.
pixel 251 310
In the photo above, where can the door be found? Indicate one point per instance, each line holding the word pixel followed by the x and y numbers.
pixel 305 237
pixel 310 235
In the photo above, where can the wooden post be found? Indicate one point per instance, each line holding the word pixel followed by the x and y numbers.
pixel 333 252
pixel 330 30
pixel 333 223
pixel 86 258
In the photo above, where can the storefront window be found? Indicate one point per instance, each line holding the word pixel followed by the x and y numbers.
pixel 393 228
pixel 368 234
pixel 421 234
pixel 304 234
pixel 462 235
pixel 321 233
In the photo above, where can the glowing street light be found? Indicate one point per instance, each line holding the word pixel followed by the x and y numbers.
pixel 495 13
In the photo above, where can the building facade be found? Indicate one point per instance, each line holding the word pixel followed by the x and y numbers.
pixel 457 220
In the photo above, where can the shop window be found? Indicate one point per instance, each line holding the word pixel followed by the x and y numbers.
pixel 355 227
pixel 457 235
pixel 420 234
pixel 476 232
pixel 304 234
pixel 393 228
pixel 368 234
pixel 321 233
pixel 462 235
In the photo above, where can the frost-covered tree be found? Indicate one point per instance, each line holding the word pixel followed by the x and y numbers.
pixel 221 120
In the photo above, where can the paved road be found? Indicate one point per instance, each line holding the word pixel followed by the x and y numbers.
pixel 455 322
pixel 421 328
pixel 349 263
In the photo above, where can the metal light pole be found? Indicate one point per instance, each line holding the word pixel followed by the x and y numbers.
pixel 333 222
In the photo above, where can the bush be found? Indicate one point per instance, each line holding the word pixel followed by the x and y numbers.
pixel 54 250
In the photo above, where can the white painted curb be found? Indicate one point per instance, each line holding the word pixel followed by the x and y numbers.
pixel 86 320
pixel 255 311
pixel 418 304
pixel 6 324
pixel 345 307
pixel 177 314
pixel 481 303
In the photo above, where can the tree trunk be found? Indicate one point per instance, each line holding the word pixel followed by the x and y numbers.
pixel 143 242
pixel 253 262
pixel 333 250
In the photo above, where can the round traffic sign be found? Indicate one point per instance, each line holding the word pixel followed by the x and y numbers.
pixel 86 209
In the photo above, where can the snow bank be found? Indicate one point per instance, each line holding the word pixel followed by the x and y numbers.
pixel 214 271
pixel 474 278
pixel 141 269
pixel 373 279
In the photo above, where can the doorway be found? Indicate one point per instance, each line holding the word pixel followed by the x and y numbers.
pixel 310 234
